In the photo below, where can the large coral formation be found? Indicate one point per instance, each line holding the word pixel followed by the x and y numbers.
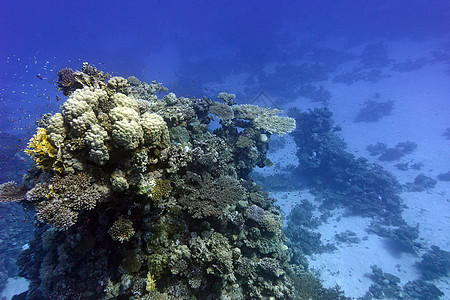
pixel 188 221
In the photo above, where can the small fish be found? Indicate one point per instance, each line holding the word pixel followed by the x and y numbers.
pixel 58 98
pixel 39 76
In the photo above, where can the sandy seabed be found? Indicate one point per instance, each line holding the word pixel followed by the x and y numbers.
pixel 421 114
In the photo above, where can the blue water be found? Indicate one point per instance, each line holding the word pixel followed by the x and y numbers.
pixel 201 48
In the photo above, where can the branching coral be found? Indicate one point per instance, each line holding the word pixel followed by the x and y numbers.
pixel 64 198
pixel 122 230
pixel 11 192
pixel 212 197
pixel 151 283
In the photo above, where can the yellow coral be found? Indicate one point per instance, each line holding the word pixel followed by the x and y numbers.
pixel 44 153
pixel 151 283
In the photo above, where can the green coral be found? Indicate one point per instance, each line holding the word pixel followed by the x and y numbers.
pixel 271 222
pixel 179 134
pixel 131 263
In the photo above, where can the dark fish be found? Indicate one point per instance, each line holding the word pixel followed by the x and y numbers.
pixel 39 76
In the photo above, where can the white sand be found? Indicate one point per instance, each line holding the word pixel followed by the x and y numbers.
pixel 421 114
pixel 15 286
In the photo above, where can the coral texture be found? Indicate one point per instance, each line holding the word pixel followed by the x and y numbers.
pixel 137 214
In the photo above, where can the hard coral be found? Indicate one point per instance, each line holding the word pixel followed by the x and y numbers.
pixel 57 214
pixel 63 198
pixel 264 118
pixel 11 192
pixel 122 230
pixel 45 155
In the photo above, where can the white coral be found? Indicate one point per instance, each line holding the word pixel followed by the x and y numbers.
pixel 156 132
pixel 95 140
pixel 127 134
pixel 91 97
pixel 123 100
pixel 56 131
pixel 80 109
pixel 126 131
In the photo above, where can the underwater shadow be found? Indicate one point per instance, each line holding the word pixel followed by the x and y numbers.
pixel 396 249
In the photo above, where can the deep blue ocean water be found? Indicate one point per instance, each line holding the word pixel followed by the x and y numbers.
pixel 201 48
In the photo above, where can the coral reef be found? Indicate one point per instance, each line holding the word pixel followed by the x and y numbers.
pixel 421 290
pixel 410 65
pixel 435 263
pixel 145 203
pixel 348 237
pixel 387 286
pixel 360 74
pixel 421 183
pixel 300 230
pixel 404 237
pixel 391 154
pixel 447 133
pixel 444 176
pixel 337 176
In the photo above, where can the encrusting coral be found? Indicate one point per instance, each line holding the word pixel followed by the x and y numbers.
pixel 128 211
